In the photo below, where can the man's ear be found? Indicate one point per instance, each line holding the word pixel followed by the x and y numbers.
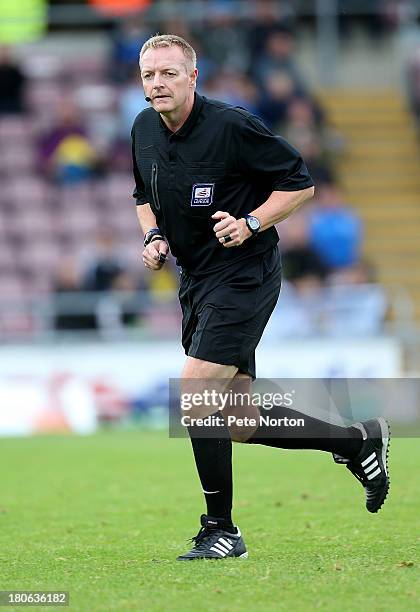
pixel 193 78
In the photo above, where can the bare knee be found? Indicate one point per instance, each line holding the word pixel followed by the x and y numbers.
pixel 202 382
pixel 206 370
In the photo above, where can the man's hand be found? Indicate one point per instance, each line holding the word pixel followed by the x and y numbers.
pixel 154 255
pixel 235 230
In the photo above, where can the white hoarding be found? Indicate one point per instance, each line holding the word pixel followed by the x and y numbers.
pixel 65 387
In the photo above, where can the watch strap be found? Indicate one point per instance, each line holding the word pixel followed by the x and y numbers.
pixel 252 230
pixel 151 235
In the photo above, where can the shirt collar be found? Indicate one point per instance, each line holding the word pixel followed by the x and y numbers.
pixel 186 128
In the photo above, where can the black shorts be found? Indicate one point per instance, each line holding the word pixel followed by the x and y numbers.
pixel 224 315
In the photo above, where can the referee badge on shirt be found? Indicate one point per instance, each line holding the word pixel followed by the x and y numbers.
pixel 202 194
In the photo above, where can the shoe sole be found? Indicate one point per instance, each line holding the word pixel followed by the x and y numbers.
pixel 243 556
pixel 386 439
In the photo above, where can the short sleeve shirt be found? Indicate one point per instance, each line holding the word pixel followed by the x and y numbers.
pixel 222 159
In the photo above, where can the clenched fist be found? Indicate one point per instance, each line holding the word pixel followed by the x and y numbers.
pixel 154 255
pixel 229 231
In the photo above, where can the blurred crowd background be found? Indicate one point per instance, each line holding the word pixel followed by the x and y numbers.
pixel 70 244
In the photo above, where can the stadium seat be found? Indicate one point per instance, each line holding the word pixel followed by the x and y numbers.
pixel 12 287
pixel 14 128
pixel 77 222
pixel 7 257
pixel 86 69
pixel 17 160
pixel 44 97
pixel 39 256
pixel 33 224
pixel 29 193
pixel 119 188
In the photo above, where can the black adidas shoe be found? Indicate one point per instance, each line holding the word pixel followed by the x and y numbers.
pixel 213 542
pixel 370 467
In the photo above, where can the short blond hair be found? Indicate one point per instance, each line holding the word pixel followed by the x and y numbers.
pixel 170 40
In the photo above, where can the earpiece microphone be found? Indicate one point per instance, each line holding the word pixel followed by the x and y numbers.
pixel 148 99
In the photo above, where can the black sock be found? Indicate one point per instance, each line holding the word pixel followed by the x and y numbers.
pixel 314 434
pixel 213 458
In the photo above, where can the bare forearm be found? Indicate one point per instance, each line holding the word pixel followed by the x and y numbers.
pixel 280 205
pixel 146 218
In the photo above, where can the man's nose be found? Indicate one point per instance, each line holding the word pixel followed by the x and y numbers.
pixel 157 81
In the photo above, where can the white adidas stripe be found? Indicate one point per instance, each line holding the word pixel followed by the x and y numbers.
pixel 222 548
pixel 375 473
pixel 225 543
pixel 371 467
pixel 368 460
pixel 222 554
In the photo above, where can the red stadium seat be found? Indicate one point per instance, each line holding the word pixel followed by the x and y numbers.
pixel 119 189
pixel 44 97
pixel 7 257
pixel 29 192
pixel 30 225
pixel 77 223
pixel 17 160
pixel 39 257
pixel 12 287
pixel 15 128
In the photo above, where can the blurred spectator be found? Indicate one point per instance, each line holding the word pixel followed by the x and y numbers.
pixel 360 273
pixel 298 313
pixel 389 15
pixel 234 88
pixel 222 38
pixel 268 17
pixel 353 303
pixel 118 307
pixel 12 84
pixel 207 67
pixel 163 286
pixel 109 312
pixel 180 27
pixel 335 230
pixel 247 93
pixel 277 57
pixel 119 156
pixel 106 266
pixel 131 103
pixel 127 42
pixel 274 104
pixel 302 266
pixel 318 143
pixel 319 164
pixel 67 280
pixel 303 121
pixel 349 305
pixel 66 154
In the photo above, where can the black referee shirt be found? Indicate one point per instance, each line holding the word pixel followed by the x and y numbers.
pixel 222 158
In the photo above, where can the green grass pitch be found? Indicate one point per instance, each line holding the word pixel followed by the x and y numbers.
pixel 104 517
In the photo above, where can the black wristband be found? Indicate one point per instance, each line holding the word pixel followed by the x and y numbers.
pixel 156 237
pixel 151 234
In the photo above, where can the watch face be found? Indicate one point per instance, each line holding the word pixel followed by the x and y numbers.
pixel 253 224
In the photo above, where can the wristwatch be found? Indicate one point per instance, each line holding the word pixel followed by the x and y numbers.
pixel 151 235
pixel 252 224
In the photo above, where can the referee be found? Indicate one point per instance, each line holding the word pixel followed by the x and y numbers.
pixel 211 183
